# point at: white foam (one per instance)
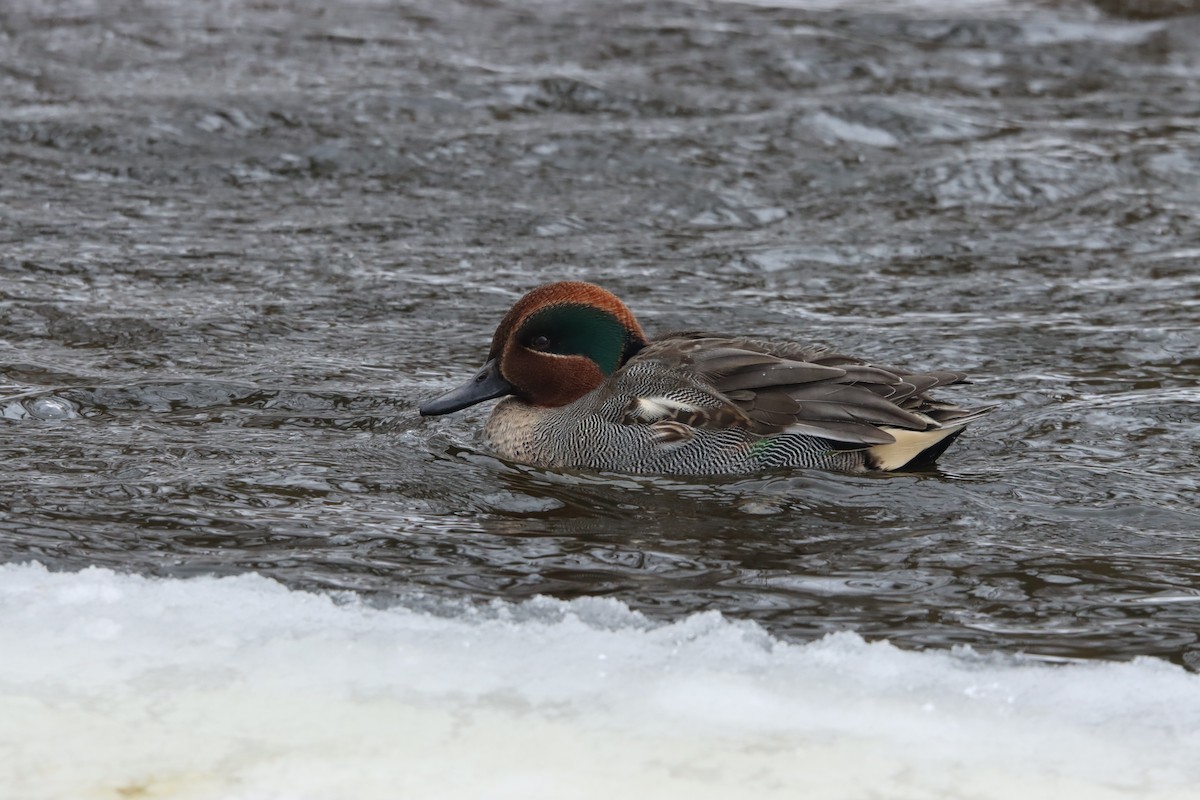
(972, 7)
(118, 686)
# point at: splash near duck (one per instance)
(584, 388)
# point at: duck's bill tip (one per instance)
(486, 385)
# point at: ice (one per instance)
(844, 130)
(117, 686)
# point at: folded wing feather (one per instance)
(773, 387)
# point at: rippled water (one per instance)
(242, 242)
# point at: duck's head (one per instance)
(558, 343)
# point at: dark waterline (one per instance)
(241, 244)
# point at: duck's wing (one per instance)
(775, 387)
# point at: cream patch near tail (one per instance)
(908, 446)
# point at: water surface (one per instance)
(242, 242)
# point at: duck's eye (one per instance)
(539, 343)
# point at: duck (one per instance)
(584, 388)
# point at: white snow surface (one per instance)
(121, 686)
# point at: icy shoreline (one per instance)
(239, 688)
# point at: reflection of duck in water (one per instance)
(585, 388)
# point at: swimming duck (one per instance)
(585, 388)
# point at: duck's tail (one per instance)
(917, 449)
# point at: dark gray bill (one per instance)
(486, 384)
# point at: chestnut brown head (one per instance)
(556, 344)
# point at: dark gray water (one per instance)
(243, 241)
